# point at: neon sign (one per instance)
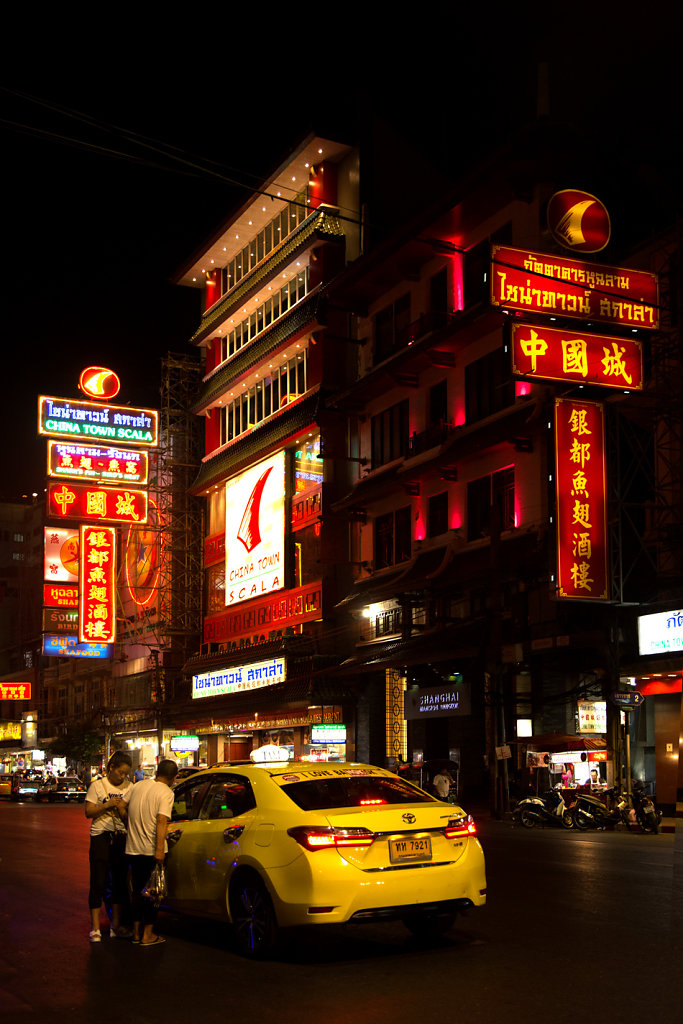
(60, 620)
(90, 421)
(239, 678)
(61, 554)
(255, 531)
(97, 604)
(581, 500)
(91, 462)
(143, 558)
(578, 221)
(99, 382)
(536, 282)
(69, 647)
(15, 691)
(64, 596)
(75, 500)
(552, 354)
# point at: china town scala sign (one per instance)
(97, 421)
(536, 282)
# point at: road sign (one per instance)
(633, 699)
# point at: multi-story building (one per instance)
(462, 632)
(275, 557)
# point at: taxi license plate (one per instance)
(410, 848)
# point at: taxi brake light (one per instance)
(325, 838)
(460, 827)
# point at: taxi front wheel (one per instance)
(253, 917)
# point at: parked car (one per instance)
(184, 773)
(276, 845)
(5, 784)
(69, 790)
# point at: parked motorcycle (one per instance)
(647, 815)
(589, 811)
(550, 809)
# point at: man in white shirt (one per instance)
(149, 812)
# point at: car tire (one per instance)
(253, 917)
(429, 926)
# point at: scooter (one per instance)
(647, 815)
(590, 812)
(550, 809)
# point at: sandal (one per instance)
(95, 935)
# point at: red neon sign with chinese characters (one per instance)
(553, 354)
(15, 691)
(71, 499)
(581, 500)
(97, 604)
(92, 462)
(536, 282)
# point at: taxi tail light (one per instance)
(457, 827)
(325, 838)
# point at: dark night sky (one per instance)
(90, 240)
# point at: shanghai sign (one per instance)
(556, 286)
(76, 500)
(92, 462)
(97, 585)
(91, 421)
(553, 354)
(581, 500)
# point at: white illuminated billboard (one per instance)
(255, 531)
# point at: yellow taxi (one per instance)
(271, 846)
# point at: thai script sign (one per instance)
(182, 744)
(239, 678)
(76, 500)
(660, 632)
(552, 354)
(592, 716)
(438, 701)
(60, 620)
(303, 604)
(581, 500)
(15, 691)
(94, 421)
(61, 554)
(97, 584)
(553, 285)
(255, 531)
(92, 462)
(65, 596)
(69, 647)
(578, 221)
(328, 733)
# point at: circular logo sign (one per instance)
(578, 221)
(99, 382)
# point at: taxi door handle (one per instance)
(231, 834)
(173, 836)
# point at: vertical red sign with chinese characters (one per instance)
(97, 603)
(580, 473)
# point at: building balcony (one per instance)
(433, 436)
(383, 624)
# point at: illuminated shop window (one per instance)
(265, 398)
(271, 310)
(265, 241)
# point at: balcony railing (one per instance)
(385, 624)
(434, 435)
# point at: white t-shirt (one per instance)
(149, 798)
(100, 791)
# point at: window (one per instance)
(438, 403)
(486, 494)
(228, 797)
(264, 399)
(390, 434)
(187, 799)
(438, 514)
(392, 538)
(392, 328)
(272, 309)
(215, 589)
(488, 385)
(438, 292)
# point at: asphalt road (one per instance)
(576, 925)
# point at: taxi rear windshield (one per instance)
(322, 794)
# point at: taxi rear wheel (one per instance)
(428, 926)
(253, 917)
